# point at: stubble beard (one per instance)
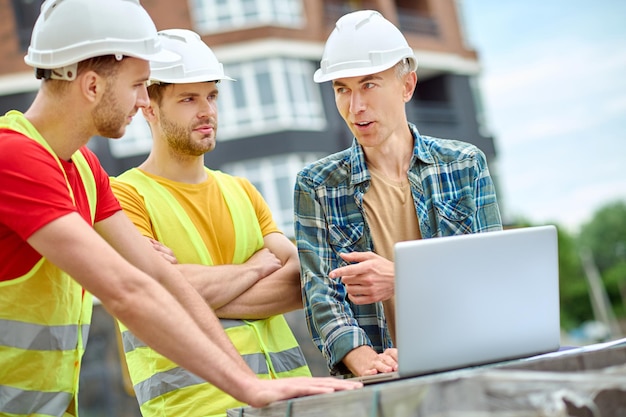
(109, 121)
(179, 138)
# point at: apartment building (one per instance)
(273, 119)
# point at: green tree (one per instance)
(573, 288)
(605, 236)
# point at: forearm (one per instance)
(200, 311)
(163, 324)
(276, 294)
(278, 291)
(331, 320)
(221, 284)
(144, 306)
(339, 333)
(125, 239)
(358, 360)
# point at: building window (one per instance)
(481, 118)
(275, 178)
(212, 16)
(270, 95)
(136, 141)
(434, 88)
(432, 103)
(26, 13)
(334, 9)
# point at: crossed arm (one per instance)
(249, 290)
(245, 291)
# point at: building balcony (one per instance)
(409, 21)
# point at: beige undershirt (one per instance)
(390, 214)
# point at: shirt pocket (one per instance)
(345, 238)
(342, 236)
(455, 215)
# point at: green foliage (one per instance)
(605, 236)
(615, 281)
(574, 295)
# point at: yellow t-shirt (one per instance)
(206, 208)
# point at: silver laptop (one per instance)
(475, 299)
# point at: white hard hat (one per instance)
(69, 31)
(197, 63)
(363, 43)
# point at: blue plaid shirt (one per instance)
(453, 194)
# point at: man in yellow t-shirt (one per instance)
(216, 229)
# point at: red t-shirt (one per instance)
(33, 192)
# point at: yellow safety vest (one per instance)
(44, 320)
(267, 346)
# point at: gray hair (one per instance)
(402, 68)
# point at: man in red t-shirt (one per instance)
(62, 230)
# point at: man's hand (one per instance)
(165, 252)
(269, 391)
(264, 262)
(370, 277)
(364, 360)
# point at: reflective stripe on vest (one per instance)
(175, 378)
(153, 376)
(31, 336)
(284, 361)
(24, 402)
(44, 333)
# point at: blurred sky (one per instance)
(553, 84)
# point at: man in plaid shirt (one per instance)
(391, 185)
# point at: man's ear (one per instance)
(92, 86)
(149, 113)
(410, 82)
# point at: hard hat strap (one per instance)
(66, 73)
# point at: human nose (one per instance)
(357, 104)
(208, 108)
(142, 97)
